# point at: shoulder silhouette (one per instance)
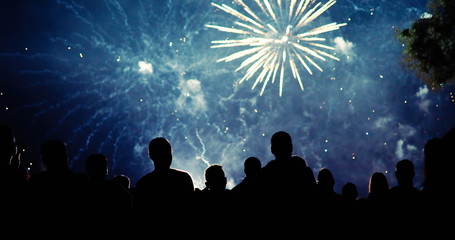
(287, 178)
(325, 187)
(57, 186)
(164, 186)
(404, 193)
(251, 168)
(105, 197)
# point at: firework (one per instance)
(278, 40)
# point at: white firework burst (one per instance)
(278, 40)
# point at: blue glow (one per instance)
(108, 76)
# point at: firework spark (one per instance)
(277, 40)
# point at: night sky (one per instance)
(108, 76)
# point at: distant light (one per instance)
(426, 15)
(80, 55)
(145, 67)
(170, 44)
(118, 59)
(26, 49)
(69, 48)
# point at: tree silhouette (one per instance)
(430, 45)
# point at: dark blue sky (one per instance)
(108, 76)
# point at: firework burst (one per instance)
(279, 39)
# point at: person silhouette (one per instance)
(215, 183)
(437, 189)
(285, 178)
(436, 185)
(404, 199)
(404, 193)
(105, 197)
(164, 187)
(246, 188)
(325, 188)
(349, 194)
(215, 199)
(57, 192)
(377, 199)
(378, 187)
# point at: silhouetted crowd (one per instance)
(284, 195)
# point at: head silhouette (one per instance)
(123, 180)
(54, 155)
(326, 179)
(378, 183)
(281, 145)
(160, 152)
(215, 179)
(252, 166)
(349, 191)
(404, 171)
(96, 166)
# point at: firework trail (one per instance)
(279, 39)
